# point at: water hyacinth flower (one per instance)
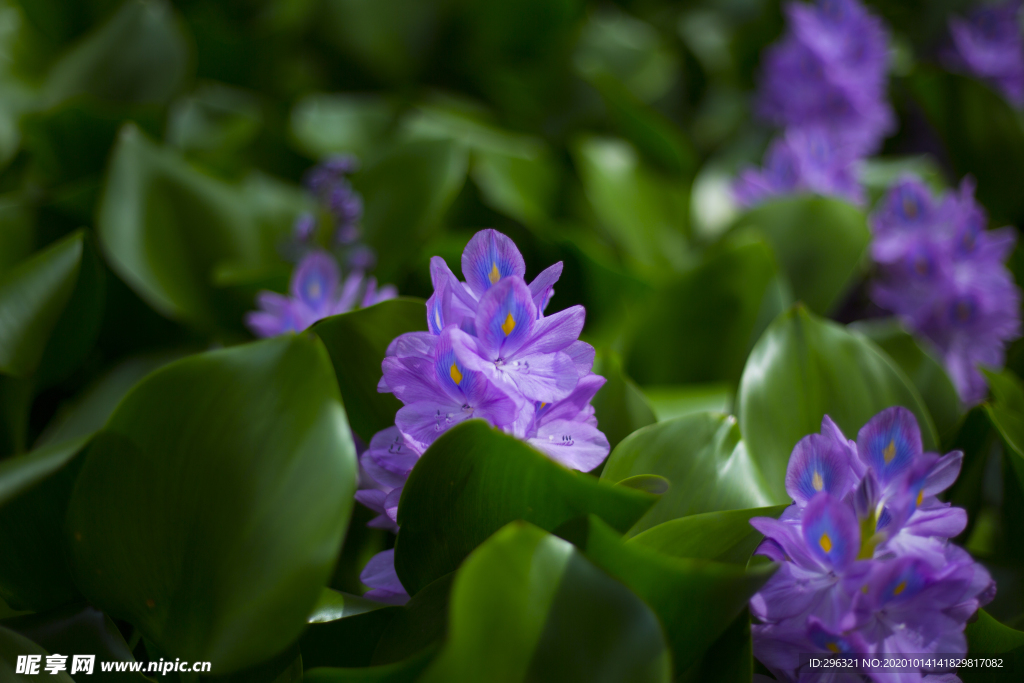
(803, 161)
(943, 274)
(829, 70)
(490, 353)
(987, 44)
(866, 566)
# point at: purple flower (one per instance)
(866, 566)
(805, 160)
(317, 292)
(379, 574)
(490, 353)
(829, 70)
(987, 44)
(942, 273)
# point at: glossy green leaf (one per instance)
(700, 326)
(405, 192)
(15, 402)
(643, 212)
(473, 480)
(527, 606)
(165, 227)
(17, 231)
(336, 124)
(347, 642)
(13, 644)
(620, 407)
(696, 600)
(139, 55)
(399, 672)
(1007, 409)
(983, 136)
(804, 368)
(672, 401)
(724, 536)
(333, 605)
(32, 297)
(818, 241)
(357, 342)
(239, 471)
(921, 367)
(730, 659)
(79, 629)
(704, 459)
(22, 472)
(988, 638)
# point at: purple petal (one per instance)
(505, 318)
(577, 445)
(315, 282)
(442, 277)
(944, 473)
(413, 344)
(423, 421)
(412, 379)
(380, 575)
(390, 452)
(572, 405)
(889, 443)
(831, 532)
(788, 539)
(582, 355)
(543, 377)
(557, 331)
(543, 286)
(349, 293)
(818, 464)
(277, 317)
(489, 257)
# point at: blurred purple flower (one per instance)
(829, 70)
(490, 354)
(987, 43)
(942, 273)
(866, 564)
(804, 160)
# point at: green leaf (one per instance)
(730, 659)
(804, 368)
(22, 472)
(643, 212)
(923, 369)
(523, 185)
(357, 342)
(400, 672)
(333, 605)
(700, 326)
(347, 642)
(165, 227)
(17, 231)
(986, 637)
(239, 470)
(419, 625)
(704, 459)
(620, 406)
(335, 124)
(818, 241)
(721, 536)
(139, 55)
(473, 480)
(406, 191)
(696, 600)
(527, 606)
(32, 297)
(676, 401)
(13, 644)
(77, 629)
(983, 136)
(1006, 412)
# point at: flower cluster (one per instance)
(866, 566)
(988, 44)
(825, 84)
(942, 273)
(317, 289)
(490, 353)
(804, 160)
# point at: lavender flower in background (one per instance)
(804, 160)
(942, 273)
(830, 71)
(317, 289)
(987, 43)
(490, 353)
(866, 566)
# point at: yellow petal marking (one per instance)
(456, 375)
(825, 542)
(542, 405)
(920, 497)
(900, 588)
(890, 452)
(818, 482)
(909, 207)
(508, 325)
(494, 275)
(833, 647)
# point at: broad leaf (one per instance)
(818, 241)
(357, 342)
(12, 645)
(988, 638)
(474, 480)
(337, 124)
(239, 470)
(706, 463)
(804, 368)
(527, 606)
(721, 536)
(670, 401)
(619, 406)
